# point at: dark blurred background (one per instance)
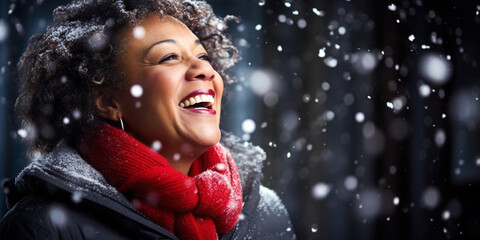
(368, 110)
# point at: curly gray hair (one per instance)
(62, 66)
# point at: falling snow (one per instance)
(320, 190)
(374, 111)
(411, 38)
(392, 7)
(435, 68)
(138, 32)
(136, 91)
(248, 126)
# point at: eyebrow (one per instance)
(197, 42)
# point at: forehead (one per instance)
(158, 27)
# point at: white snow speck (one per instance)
(258, 27)
(156, 146)
(424, 90)
(287, 4)
(310, 147)
(176, 156)
(58, 216)
(242, 42)
(279, 48)
(392, 7)
(261, 3)
(76, 114)
(396, 201)
(435, 68)
(289, 155)
(411, 38)
(22, 133)
(440, 137)
(220, 167)
(12, 7)
(248, 126)
(446, 215)
(431, 197)
(326, 86)
(136, 91)
(261, 82)
(270, 99)
(318, 12)
(320, 190)
(66, 120)
(359, 117)
(351, 183)
(366, 62)
(341, 30)
(329, 115)
(390, 105)
(138, 32)
(301, 23)
(76, 197)
(321, 52)
(330, 62)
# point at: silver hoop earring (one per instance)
(121, 123)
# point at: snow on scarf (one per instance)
(201, 205)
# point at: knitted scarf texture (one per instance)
(202, 205)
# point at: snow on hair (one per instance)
(61, 67)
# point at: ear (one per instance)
(107, 106)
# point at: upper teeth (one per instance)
(197, 99)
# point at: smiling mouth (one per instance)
(199, 100)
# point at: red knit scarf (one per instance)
(201, 205)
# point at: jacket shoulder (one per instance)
(40, 217)
(263, 217)
(28, 219)
(275, 222)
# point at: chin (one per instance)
(205, 137)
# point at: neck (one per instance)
(181, 164)
(181, 160)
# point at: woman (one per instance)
(121, 100)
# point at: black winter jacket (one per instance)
(62, 197)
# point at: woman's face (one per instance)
(173, 95)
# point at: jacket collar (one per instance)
(67, 165)
(249, 160)
(64, 169)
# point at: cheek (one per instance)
(160, 85)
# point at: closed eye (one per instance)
(168, 58)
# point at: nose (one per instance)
(200, 70)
